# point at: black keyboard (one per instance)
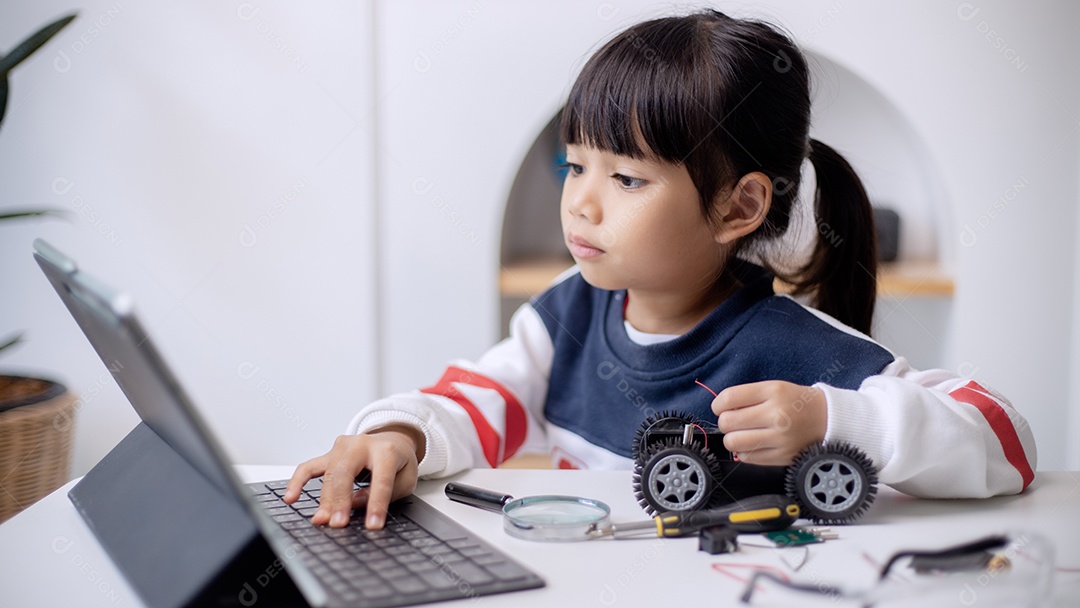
(419, 556)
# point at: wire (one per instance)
(703, 434)
(699, 383)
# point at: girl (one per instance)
(685, 138)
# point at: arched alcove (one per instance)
(850, 115)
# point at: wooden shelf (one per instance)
(528, 461)
(897, 280)
(526, 278)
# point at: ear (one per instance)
(745, 207)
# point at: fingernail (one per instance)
(373, 521)
(339, 519)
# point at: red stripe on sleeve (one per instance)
(973, 394)
(489, 437)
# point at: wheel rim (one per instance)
(832, 485)
(677, 482)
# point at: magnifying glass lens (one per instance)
(547, 513)
(554, 518)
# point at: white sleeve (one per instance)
(479, 413)
(933, 434)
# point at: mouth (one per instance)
(580, 248)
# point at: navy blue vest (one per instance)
(603, 385)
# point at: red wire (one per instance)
(703, 434)
(698, 382)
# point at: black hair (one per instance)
(726, 97)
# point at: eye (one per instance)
(627, 182)
(573, 168)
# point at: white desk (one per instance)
(48, 557)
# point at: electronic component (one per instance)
(718, 539)
(800, 536)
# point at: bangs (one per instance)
(641, 95)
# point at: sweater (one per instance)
(569, 381)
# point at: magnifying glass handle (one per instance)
(477, 497)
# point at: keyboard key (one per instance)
(507, 571)
(408, 585)
(401, 527)
(356, 572)
(405, 562)
(439, 580)
(405, 556)
(386, 543)
(487, 558)
(452, 558)
(377, 591)
(357, 545)
(473, 551)
(470, 573)
(378, 565)
(439, 549)
(425, 565)
(395, 573)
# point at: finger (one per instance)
(380, 492)
(745, 443)
(766, 457)
(335, 502)
(303, 473)
(360, 498)
(743, 395)
(746, 418)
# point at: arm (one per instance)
(934, 434)
(478, 414)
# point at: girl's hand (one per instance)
(770, 422)
(390, 453)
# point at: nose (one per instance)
(580, 199)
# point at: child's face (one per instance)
(636, 224)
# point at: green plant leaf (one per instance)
(33, 43)
(13, 215)
(11, 342)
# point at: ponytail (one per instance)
(842, 271)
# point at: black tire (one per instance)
(675, 478)
(664, 420)
(833, 483)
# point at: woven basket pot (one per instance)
(36, 429)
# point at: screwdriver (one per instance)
(763, 513)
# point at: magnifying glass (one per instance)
(548, 518)
(569, 518)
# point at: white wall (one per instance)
(215, 161)
(179, 126)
